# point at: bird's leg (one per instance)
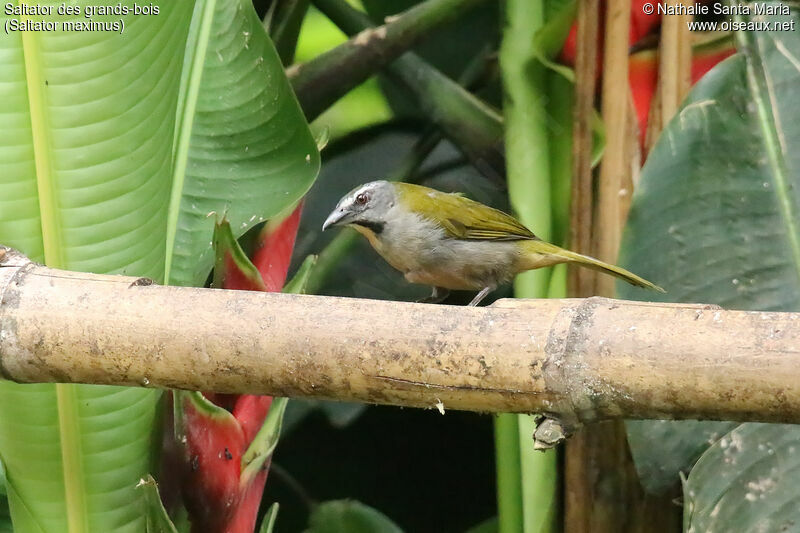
(438, 295)
(480, 296)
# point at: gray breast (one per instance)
(418, 244)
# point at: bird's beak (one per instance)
(334, 218)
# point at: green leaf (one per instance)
(549, 40)
(180, 520)
(158, 520)
(323, 138)
(6, 525)
(2, 479)
(349, 516)
(243, 147)
(88, 483)
(5, 513)
(268, 522)
(283, 22)
(85, 153)
(663, 448)
(298, 284)
(204, 406)
(715, 216)
(747, 481)
(88, 122)
(264, 442)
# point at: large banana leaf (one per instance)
(85, 153)
(96, 128)
(746, 481)
(715, 220)
(243, 146)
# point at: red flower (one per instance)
(227, 439)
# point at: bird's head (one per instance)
(366, 206)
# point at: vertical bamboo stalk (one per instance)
(581, 280)
(654, 124)
(659, 513)
(600, 486)
(633, 154)
(674, 69)
(674, 74)
(615, 110)
(591, 465)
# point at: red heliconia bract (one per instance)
(641, 25)
(643, 65)
(217, 436)
(274, 251)
(643, 76)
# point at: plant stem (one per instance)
(322, 81)
(581, 280)
(527, 146)
(471, 124)
(675, 63)
(509, 482)
(283, 23)
(615, 170)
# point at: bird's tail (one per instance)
(546, 254)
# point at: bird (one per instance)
(450, 242)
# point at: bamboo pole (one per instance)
(599, 489)
(658, 513)
(581, 280)
(583, 452)
(608, 219)
(674, 74)
(593, 491)
(577, 361)
(675, 63)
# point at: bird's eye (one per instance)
(362, 198)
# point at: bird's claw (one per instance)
(437, 296)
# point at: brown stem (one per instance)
(322, 81)
(608, 219)
(599, 486)
(675, 60)
(581, 280)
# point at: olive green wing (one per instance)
(463, 218)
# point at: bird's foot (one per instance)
(438, 295)
(480, 296)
